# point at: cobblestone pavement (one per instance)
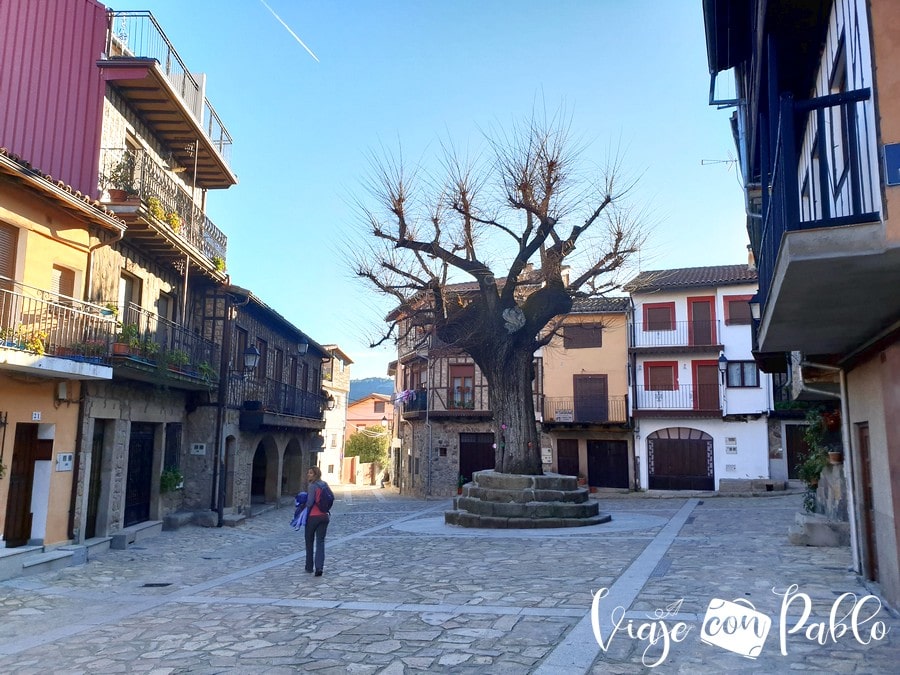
(404, 593)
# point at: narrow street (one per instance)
(402, 593)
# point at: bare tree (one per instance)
(525, 211)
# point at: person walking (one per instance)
(320, 500)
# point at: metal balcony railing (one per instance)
(698, 397)
(46, 323)
(137, 34)
(612, 409)
(675, 334)
(276, 397)
(148, 180)
(148, 336)
(826, 197)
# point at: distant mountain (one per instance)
(370, 385)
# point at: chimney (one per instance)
(751, 261)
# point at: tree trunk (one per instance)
(512, 402)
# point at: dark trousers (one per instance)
(316, 527)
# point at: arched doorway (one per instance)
(264, 473)
(292, 473)
(680, 458)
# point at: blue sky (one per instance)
(628, 72)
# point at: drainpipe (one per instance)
(848, 457)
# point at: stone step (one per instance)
(133, 534)
(813, 529)
(468, 519)
(48, 561)
(544, 509)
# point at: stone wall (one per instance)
(831, 495)
(444, 464)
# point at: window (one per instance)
(742, 374)
(659, 316)
(582, 336)
(240, 346)
(129, 293)
(737, 310)
(661, 376)
(62, 282)
(333, 440)
(278, 375)
(378, 406)
(262, 368)
(839, 131)
(461, 394)
(172, 458)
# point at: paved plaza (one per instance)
(689, 583)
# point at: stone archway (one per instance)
(264, 473)
(293, 474)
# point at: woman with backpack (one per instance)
(320, 500)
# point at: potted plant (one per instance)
(219, 263)
(816, 458)
(178, 359)
(34, 343)
(459, 484)
(207, 372)
(836, 456)
(170, 480)
(120, 179)
(155, 209)
(174, 221)
(127, 341)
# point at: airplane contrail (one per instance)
(288, 28)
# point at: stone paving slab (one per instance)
(403, 593)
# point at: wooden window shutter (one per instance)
(62, 282)
(8, 240)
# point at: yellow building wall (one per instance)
(610, 359)
(21, 398)
(47, 236)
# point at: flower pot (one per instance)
(121, 349)
(836, 457)
(116, 195)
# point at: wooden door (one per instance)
(258, 476)
(701, 321)
(607, 463)
(795, 448)
(139, 479)
(867, 508)
(567, 456)
(17, 527)
(591, 401)
(476, 453)
(96, 480)
(706, 386)
(680, 460)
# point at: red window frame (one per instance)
(673, 365)
(658, 305)
(726, 302)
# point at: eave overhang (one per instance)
(145, 87)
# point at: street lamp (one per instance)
(302, 346)
(384, 422)
(251, 358)
(755, 307)
(723, 365)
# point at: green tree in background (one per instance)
(370, 445)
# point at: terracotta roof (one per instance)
(599, 305)
(18, 168)
(690, 277)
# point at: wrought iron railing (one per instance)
(675, 334)
(612, 409)
(45, 323)
(274, 396)
(137, 34)
(150, 182)
(823, 199)
(148, 336)
(700, 397)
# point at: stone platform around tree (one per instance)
(503, 500)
